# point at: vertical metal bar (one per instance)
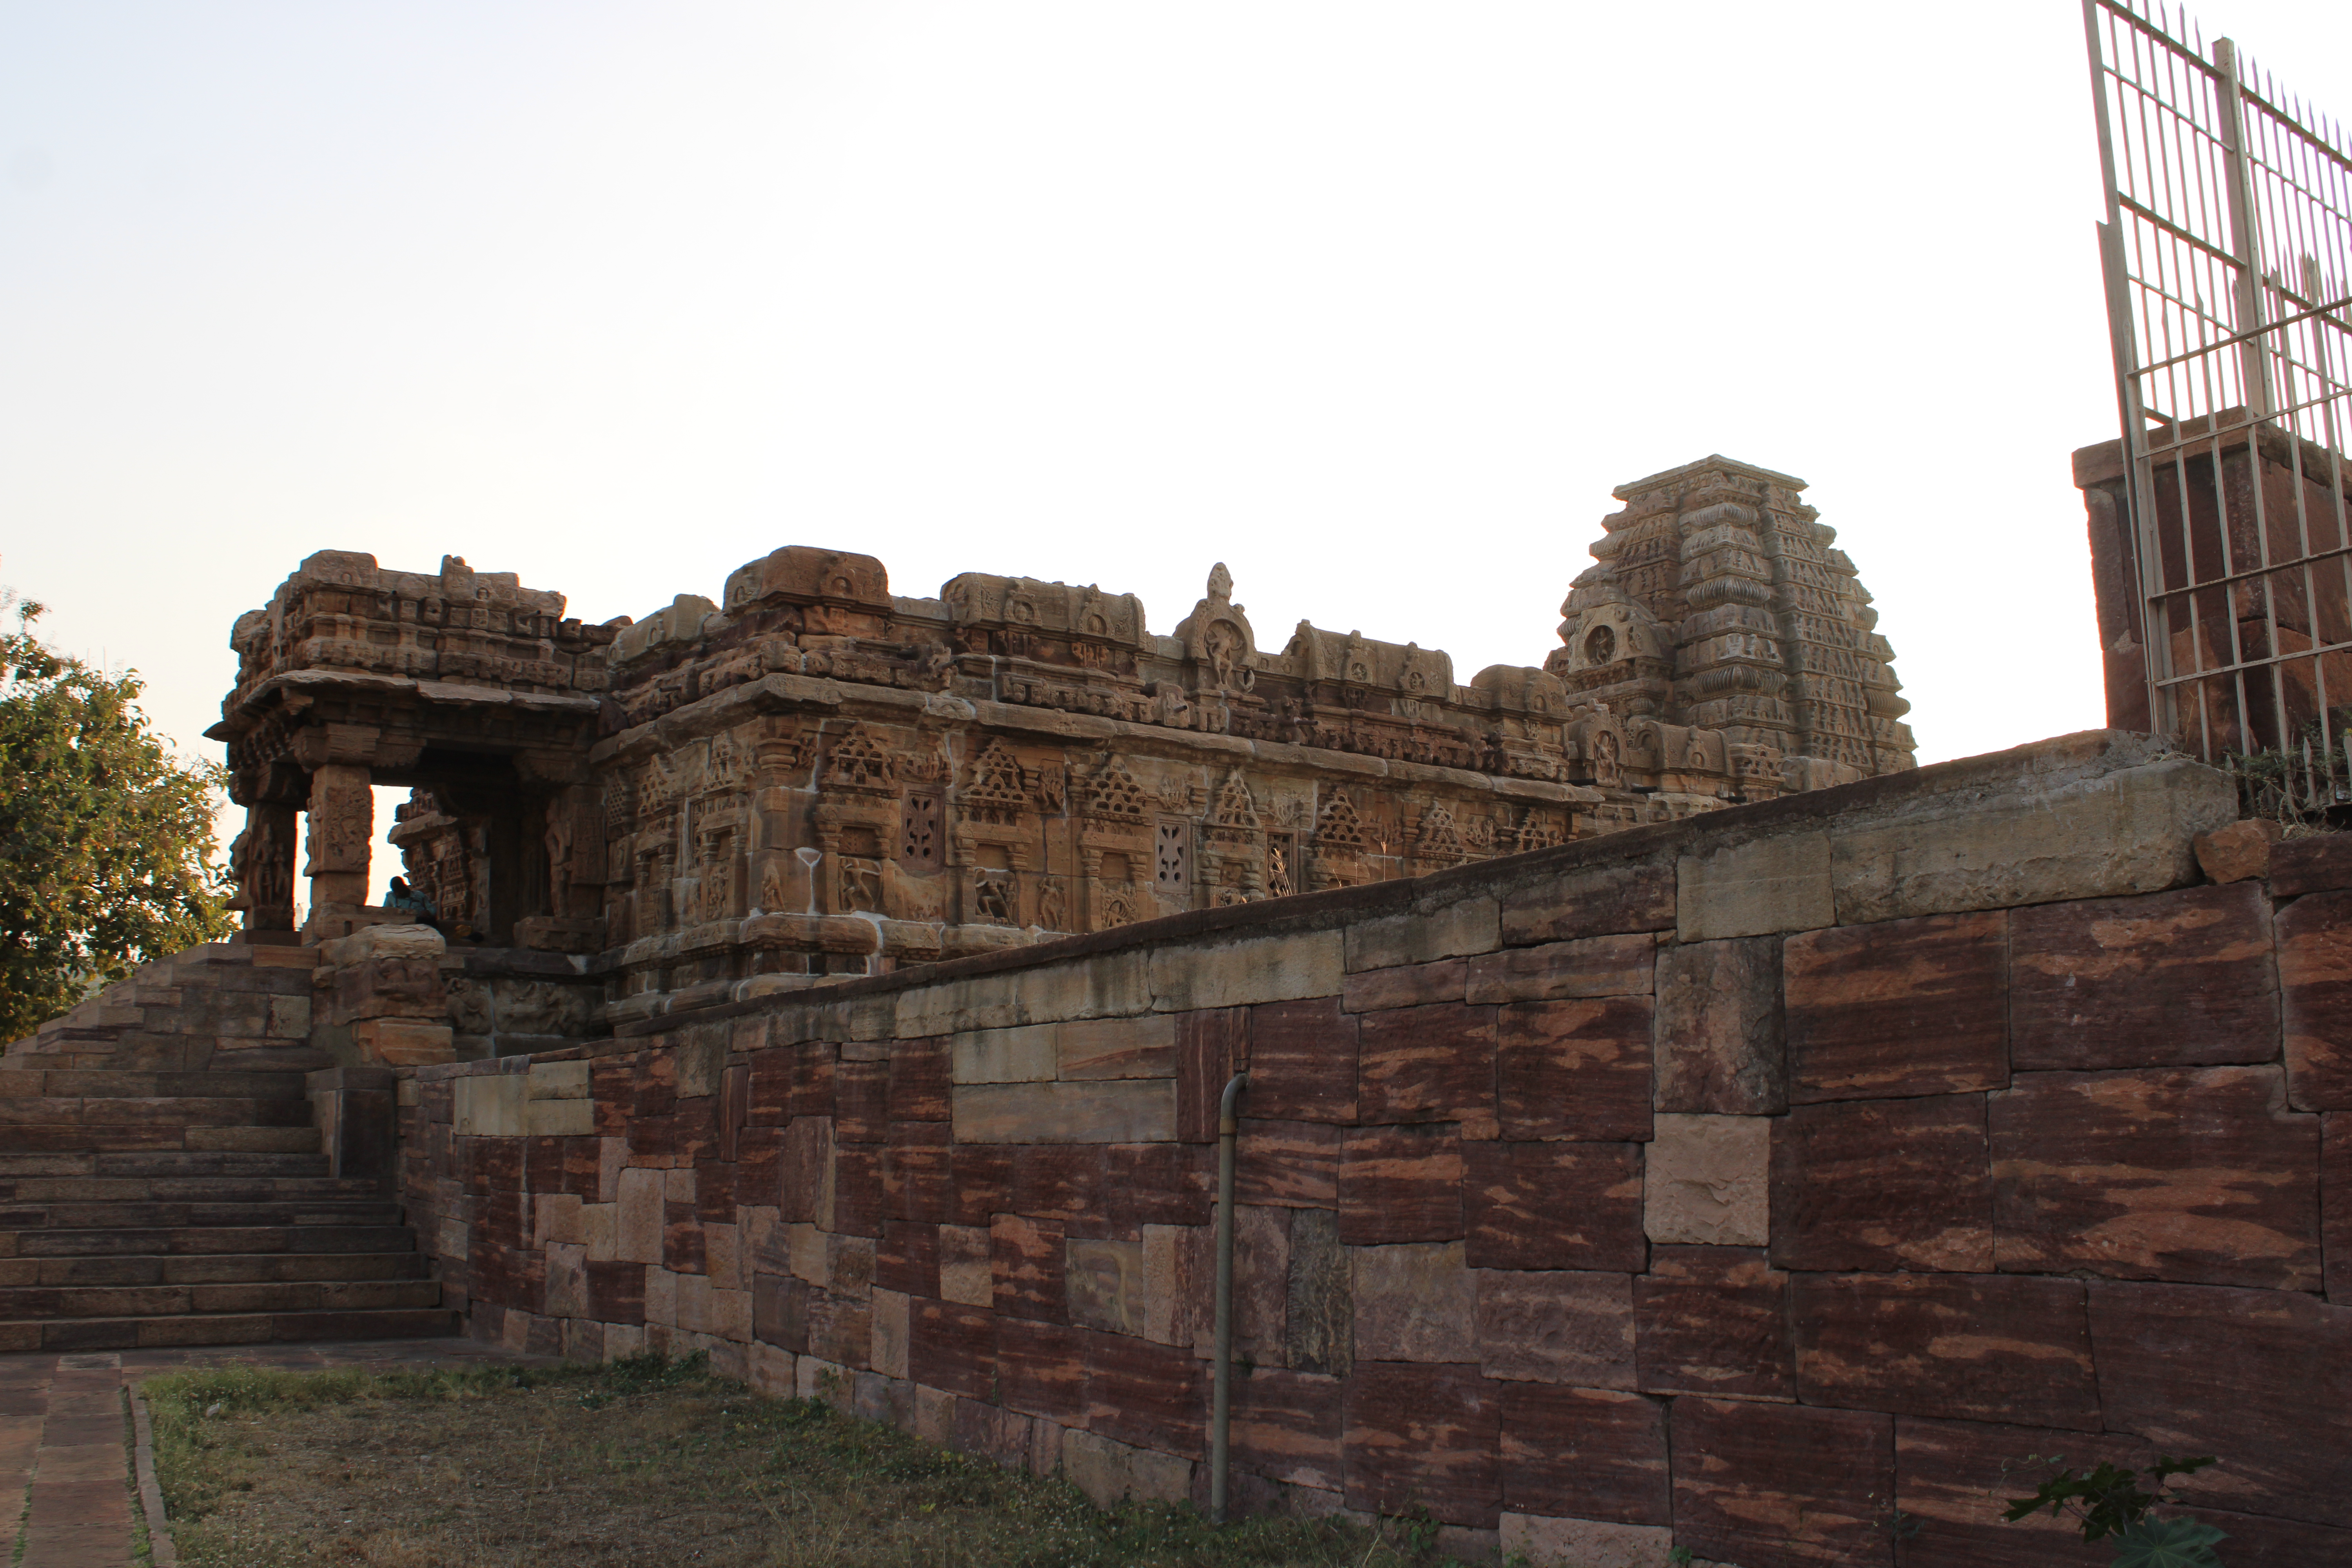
(2243, 242)
(2139, 514)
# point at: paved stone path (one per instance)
(65, 1488)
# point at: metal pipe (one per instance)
(1221, 1369)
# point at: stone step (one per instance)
(245, 1296)
(213, 1268)
(75, 1083)
(177, 1240)
(84, 1137)
(153, 1110)
(109, 1214)
(225, 1328)
(164, 1162)
(17, 1191)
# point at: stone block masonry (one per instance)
(1668, 1189)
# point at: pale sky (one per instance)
(1373, 302)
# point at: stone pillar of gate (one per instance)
(341, 828)
(262, 861)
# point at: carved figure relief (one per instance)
(994, 897)
(860, 885)
(1050, 909)
(1606, 771)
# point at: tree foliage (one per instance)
(107, 841)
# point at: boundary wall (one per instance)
(1761, 1183)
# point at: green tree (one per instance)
(107, 841)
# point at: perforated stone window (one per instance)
(919, 833)
(1173, 867)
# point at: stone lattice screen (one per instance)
(1731, 1183)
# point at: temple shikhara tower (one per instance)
(812, 775)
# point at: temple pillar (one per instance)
(342, 831)
(262, 862)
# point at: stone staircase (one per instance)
(162, 1181)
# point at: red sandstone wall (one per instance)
(1734, 1185)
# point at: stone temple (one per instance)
(815, 776)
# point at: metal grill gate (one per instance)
(2228, 258)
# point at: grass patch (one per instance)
(641, 1461)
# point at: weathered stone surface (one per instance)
(862, 1102)
(1884, 1183)
(1318, 1322)
(2200, 1175)
(2319, 863)
(1585, 1454)
(1592, 967)
(1904, 1008)
(2238, 853)
(1426, 1064)
(1113, 987)
(1237, 974)
(1142, 1392)
(1708, 1181)
(1293, 1163)
(1110, 1472)
(1721, 1045)
(1303, 1061)
(1041, 1369)
(1261, 1282)
(1027, 1258)
(1286, 1426)
(1599, 902)
(1575, 1069)
(2175, 979)
(1713, 1319)
(921, 1072)
(1426, 1435)
(2336, 1204)
(888, 1321)
(919, 1172)
(952, 1348)
(1544, 1326)
(2263, 1376)
(1975, 1347)
(1469, 925)
(1778, 884)
(1553, 1205)
(1065, 1181)
(1780, 1486)
(1024, 1055)
(2128, 831)
(1117, 1047)
(1415, 1303)
(1407, 985)
(1401, 1184)
(1107, 1284)
(967, 1269)
(638, 1238)
(1131, 1111)
(1211, 1046)
(1945, 1472)
(2315, 971)
(1545, 1542)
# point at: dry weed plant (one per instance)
(638, 1462)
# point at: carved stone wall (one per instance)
(813, 776)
